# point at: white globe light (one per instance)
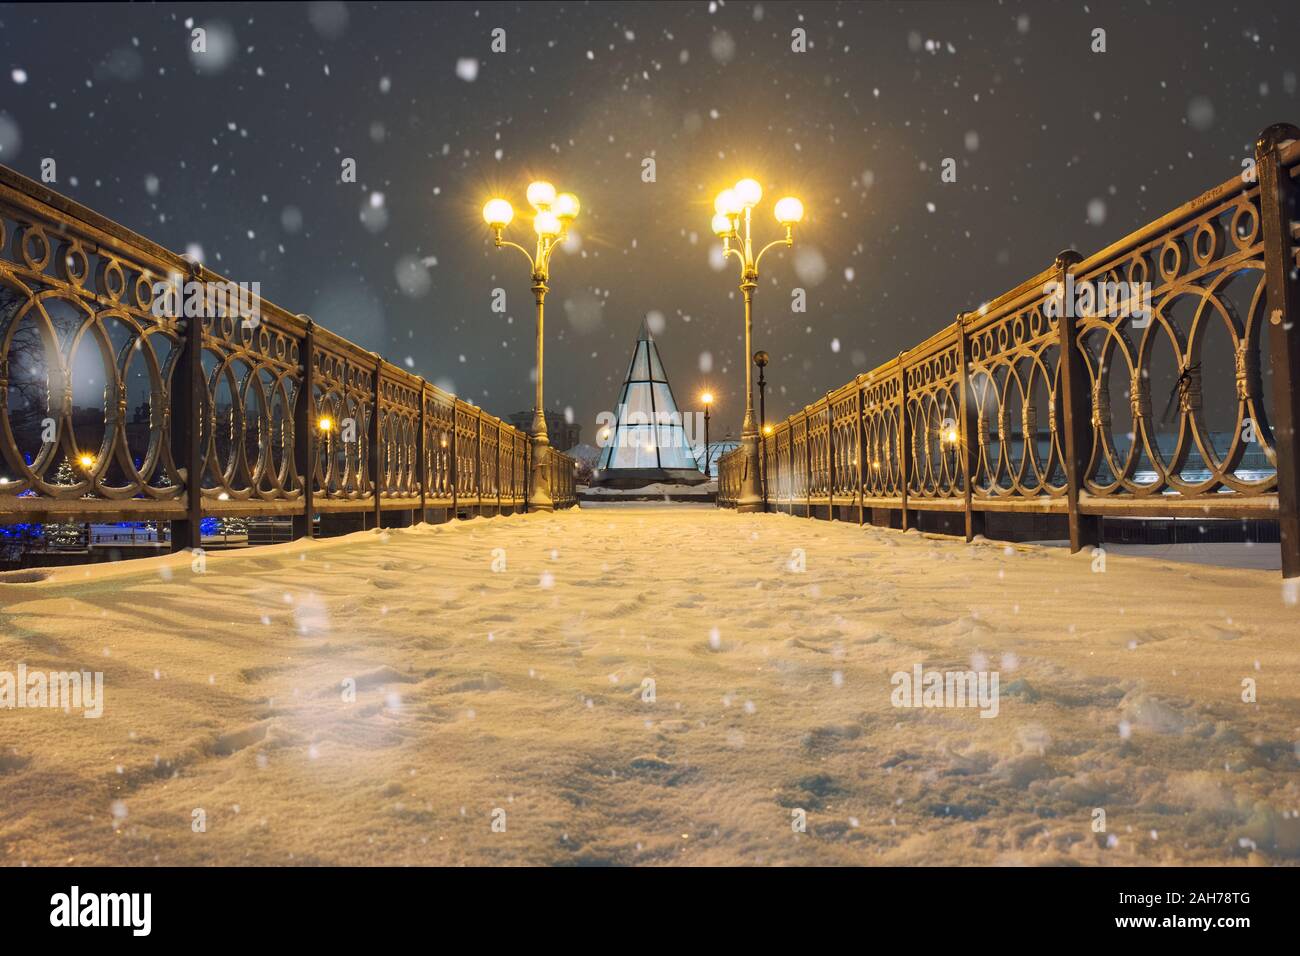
(541, 195)
(749, 191)
(498, 213)
(728, 203)
(789, 211)
(567, 206)
(721, 225)
(547, 223)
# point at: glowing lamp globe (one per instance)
(541, 195)
(728, 203)
(547, 223)
(498, 213)
(707, 398)
(721, 225)
(789, 211)
(749, 192)
(566, 206)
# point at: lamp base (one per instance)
(750, 498)
(539, 494)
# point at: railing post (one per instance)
(808, 457)
(862, 453)
(528, 473)
(376, 458)
(1077, 415)
(969, 424)
(1277, 201)
(188, 405)
(421, 452)
(304, 433)
(453, 469)
(830, 459)
(904, 442)
(498, 481)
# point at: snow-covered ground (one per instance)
(520, 696)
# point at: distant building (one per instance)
(562, 434)
(716, 450)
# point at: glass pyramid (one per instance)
(648, 432)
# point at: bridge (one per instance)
(545, 683)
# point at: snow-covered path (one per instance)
(520, 696)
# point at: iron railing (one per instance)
(110, 408)
(730, 465)
(1010, 408)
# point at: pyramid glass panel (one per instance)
(649, 432)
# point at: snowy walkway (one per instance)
(522, 691)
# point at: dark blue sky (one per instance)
(238, 152)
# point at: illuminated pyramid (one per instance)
(648, 441)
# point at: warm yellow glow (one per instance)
(789, 211)
(749, 192)
(541, 195)
(325, 423)
(497, 213)
(768, 429)
(707, 398)
(952, 435)
(567, 206)
(728, 203)
(87, 461)
(722, 225)
(547, 223)
(875, 465)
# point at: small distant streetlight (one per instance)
(707, 399)
(325, 424)
(554, 214)
(761, 359)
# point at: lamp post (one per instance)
(760, 359)
(707, 399)
(732, 224)
(554, 214)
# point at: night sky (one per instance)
(236, 155)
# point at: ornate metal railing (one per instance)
(1181, 398)
(564, 492)
(729, 475)
(111, 405)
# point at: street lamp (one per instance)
(554, 214)
(707, 399)
(760, 359)
(732, 224)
